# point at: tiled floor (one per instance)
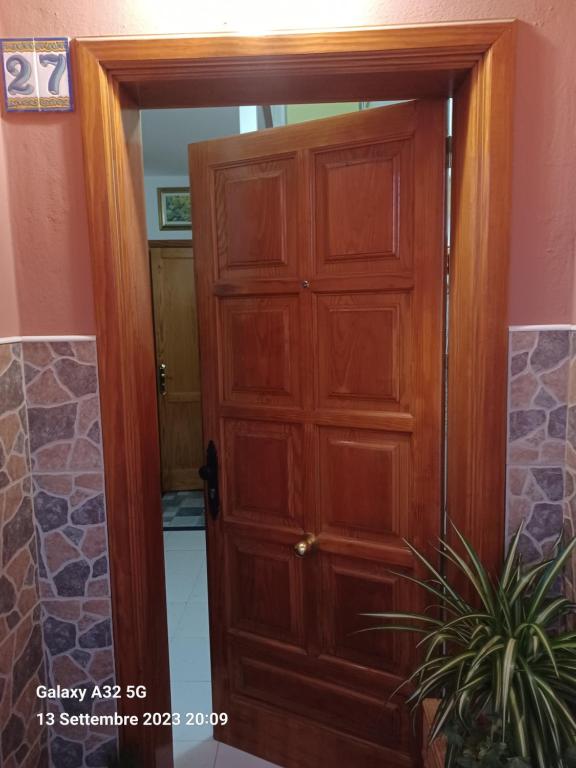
(183, 510)
(187, 597)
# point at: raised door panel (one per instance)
(362, 208)
(259, 350)
(266, 590)
(292, 685)
(179, 321)
(363, 351)
(353, 589)
(176, 336)
(182, 450)
(263, 470)
(255, 205)
(364, 489)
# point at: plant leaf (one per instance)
(547, 579)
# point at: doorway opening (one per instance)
(472, 62)
(166, 135)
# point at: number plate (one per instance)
(37, 74)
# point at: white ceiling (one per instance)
(166, 134)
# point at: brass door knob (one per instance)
(304, 547)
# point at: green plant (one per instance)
(482, 747)
(503, 654)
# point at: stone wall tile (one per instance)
(85, 456)
(51, 424)
(542, 442)
(44, 389)
(552, 348)
(11, 388)
(22, 738)
(38, 354)
(70, 511)
(53, 458)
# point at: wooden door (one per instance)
(176, 332)
(319, 252)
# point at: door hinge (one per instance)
(448, 151)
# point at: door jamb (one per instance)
(472, 62)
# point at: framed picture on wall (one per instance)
(174, 208)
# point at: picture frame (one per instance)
(174, 209)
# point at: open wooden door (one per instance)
(176, 337)
(319, 258)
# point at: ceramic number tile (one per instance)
(37, 75)
(20, 77)
(53, 74)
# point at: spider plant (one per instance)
(502, 655)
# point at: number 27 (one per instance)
(58, 61)
(20, 68)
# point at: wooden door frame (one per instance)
(474, 63)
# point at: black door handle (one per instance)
(209, 473)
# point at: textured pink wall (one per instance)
(9, 316)
(49, 226)
(44, 168)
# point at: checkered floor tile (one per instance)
(183, 511)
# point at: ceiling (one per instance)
(166, 134)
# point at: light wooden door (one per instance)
(319, 257)
(176, 332)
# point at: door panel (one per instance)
(176, 335)
(271, 451)
(267, 590)
(260, 338)
(275, 683)
(262, 245)
(348, 585)
(320, 277)
(361, 363)
(364, 483)
(359, 204)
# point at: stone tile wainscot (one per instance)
(22, 739)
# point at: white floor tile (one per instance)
(194, 698)
(194, 619)
(184, 540)
(190, 659)
(187, 597)
(182, 572)
(195, 754)
(228, 757)
(200, 589)
(175, 613)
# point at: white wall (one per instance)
(166, 134)
(151, 184)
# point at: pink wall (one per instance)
(44, 168)
(9, 315)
